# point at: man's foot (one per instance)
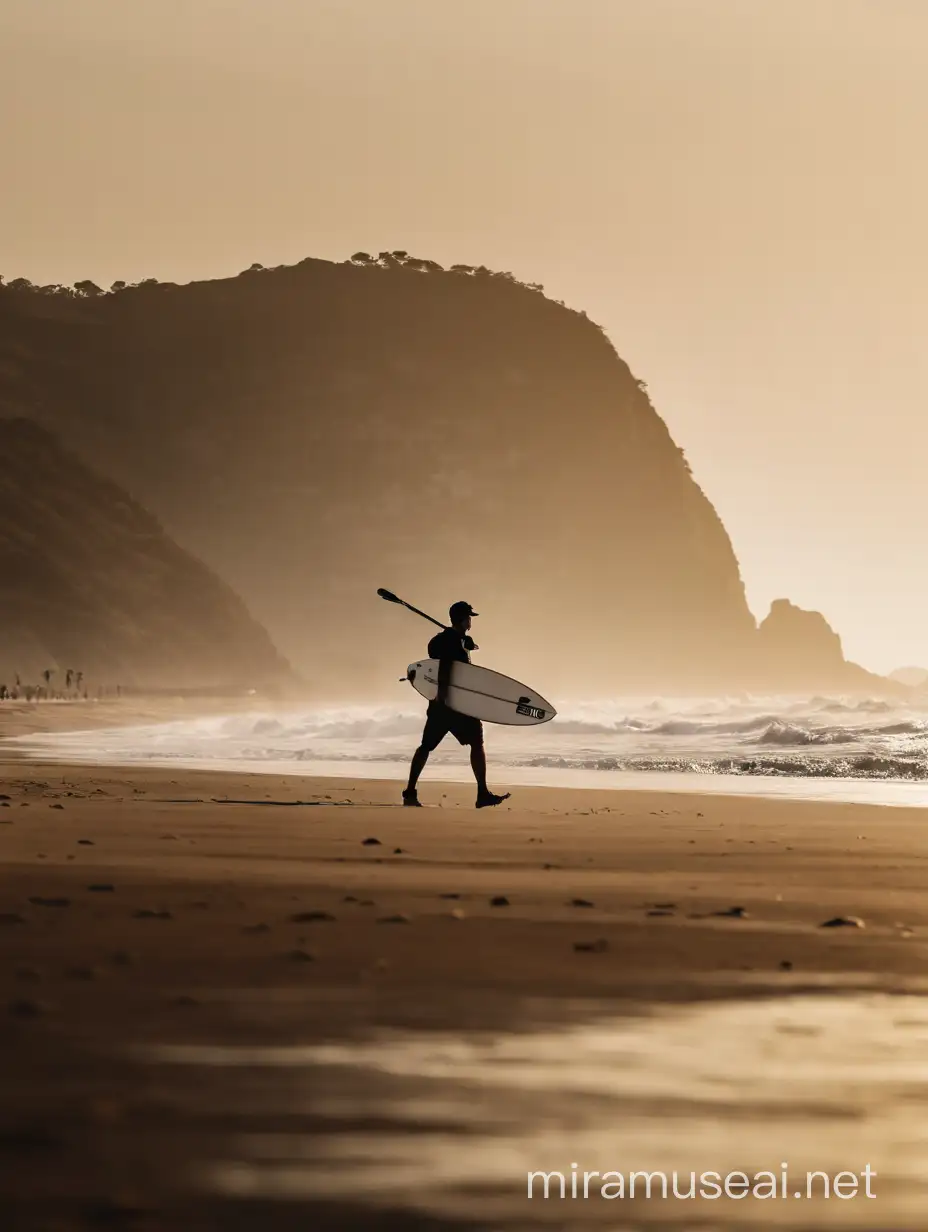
(411, 799)
(488, 800)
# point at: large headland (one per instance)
(309, 433)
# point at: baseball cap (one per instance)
(459, 610)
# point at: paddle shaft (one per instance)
(392, 598)
(424, 615)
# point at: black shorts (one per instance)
(440, 721)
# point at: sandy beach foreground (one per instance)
(167, 939)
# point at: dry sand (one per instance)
(144, 906)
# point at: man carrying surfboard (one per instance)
(452, 645)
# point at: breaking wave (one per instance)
(901, 768)
(819, 737)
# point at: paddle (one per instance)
(469, 643)
(392, 598)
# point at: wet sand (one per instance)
(145, 910)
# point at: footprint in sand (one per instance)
(81, 973)
(27, 1009)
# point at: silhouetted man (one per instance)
(452, 646)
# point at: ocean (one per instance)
(835, 747)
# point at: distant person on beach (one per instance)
(452, 645)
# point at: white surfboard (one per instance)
(482, 694)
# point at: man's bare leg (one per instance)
(419, 758)
(478, 763)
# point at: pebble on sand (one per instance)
(499, 901)
(843, 921)
(733, 913)
(303, 956)
(309, 917)
(147, 914)
(600, 946)
(102, 887)
(256, 928)
(38, 901)
(394, 919)
(580, 902)
(370, 842)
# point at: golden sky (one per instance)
(736, 189)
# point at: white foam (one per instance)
(753, 739)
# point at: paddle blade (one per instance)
(388, 595)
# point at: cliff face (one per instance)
(92, 583)
(317, 431)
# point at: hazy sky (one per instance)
(736, 189)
